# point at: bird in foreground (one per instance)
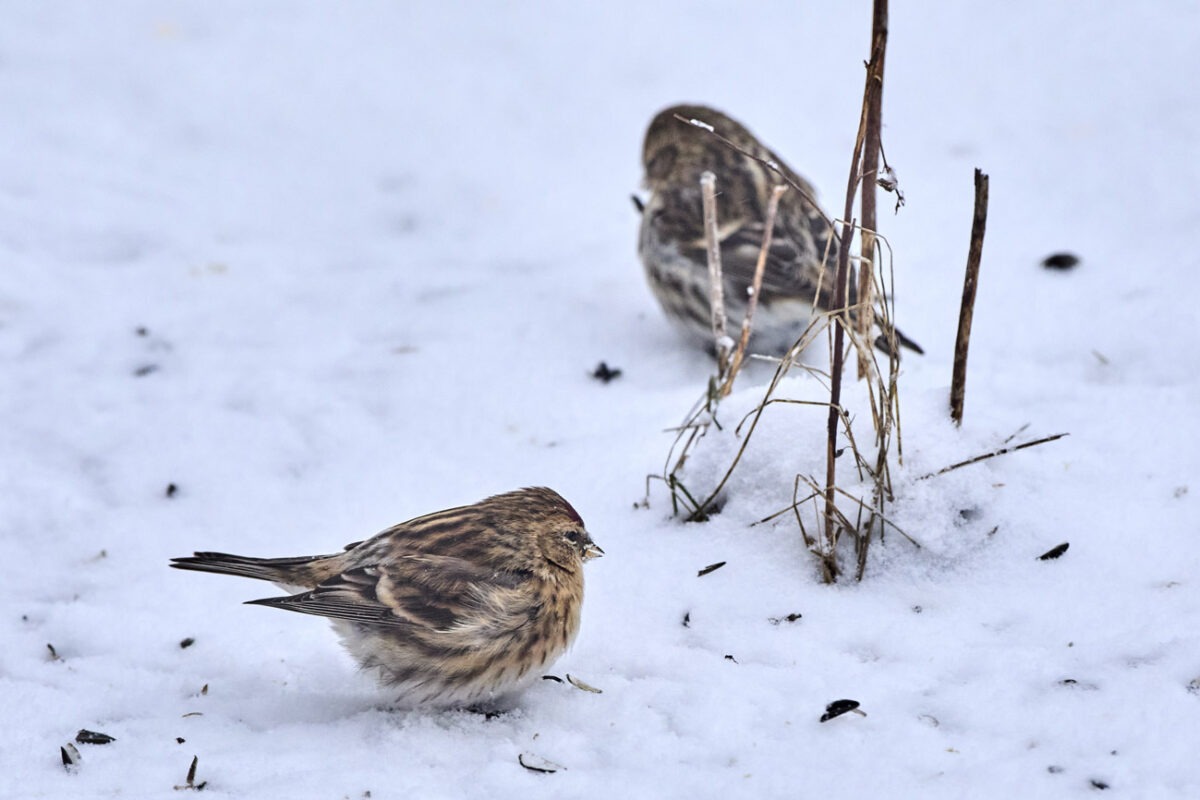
(800, 264)
(458, 608)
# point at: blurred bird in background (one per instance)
(800, 264)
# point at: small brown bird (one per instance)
(800, 263)
(459, 608)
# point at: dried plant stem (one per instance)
(958, 385)
(871, 152)
(993, 454)
(829, 568)
(739, 354)
(716, 287)
(865, 319)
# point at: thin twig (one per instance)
(716, 288)
(1016, 433)
(871, 151)
(808, 542)
(993, 454)
(755, 288)
(958, 386)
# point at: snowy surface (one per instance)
(327, 267)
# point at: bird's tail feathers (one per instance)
(882, 342)
(295, 571)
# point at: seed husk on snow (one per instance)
(538, 764)
(1054, 552)
(70, 757)
(191, 777)
(604, 373)
(839, 707)
(1060, 261)
(578, 684)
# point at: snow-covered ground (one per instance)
(327, 267)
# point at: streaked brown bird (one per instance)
(802, 258)
(459, 608)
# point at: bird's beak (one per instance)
(592, 550)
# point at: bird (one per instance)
(800, 265)
(461, 608)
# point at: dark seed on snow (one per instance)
(1060, 261)
(837, 708)
(1054, 552)
(605, 373)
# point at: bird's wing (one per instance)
(422, 591)
(789, 271)
(803, 252)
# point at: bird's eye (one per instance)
(574, 536)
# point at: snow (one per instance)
(325, 268)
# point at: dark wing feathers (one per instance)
(423, 591)
(788, 272)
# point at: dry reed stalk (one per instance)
(755, 287)
(871, 154)
(984, 457)
(958, 384)
(716, 287)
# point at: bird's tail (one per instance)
(884, 344)
(299, 571)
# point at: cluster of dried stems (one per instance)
(866, 515)
(849, 330)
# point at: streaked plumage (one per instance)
(461, 607)
(803, 254)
